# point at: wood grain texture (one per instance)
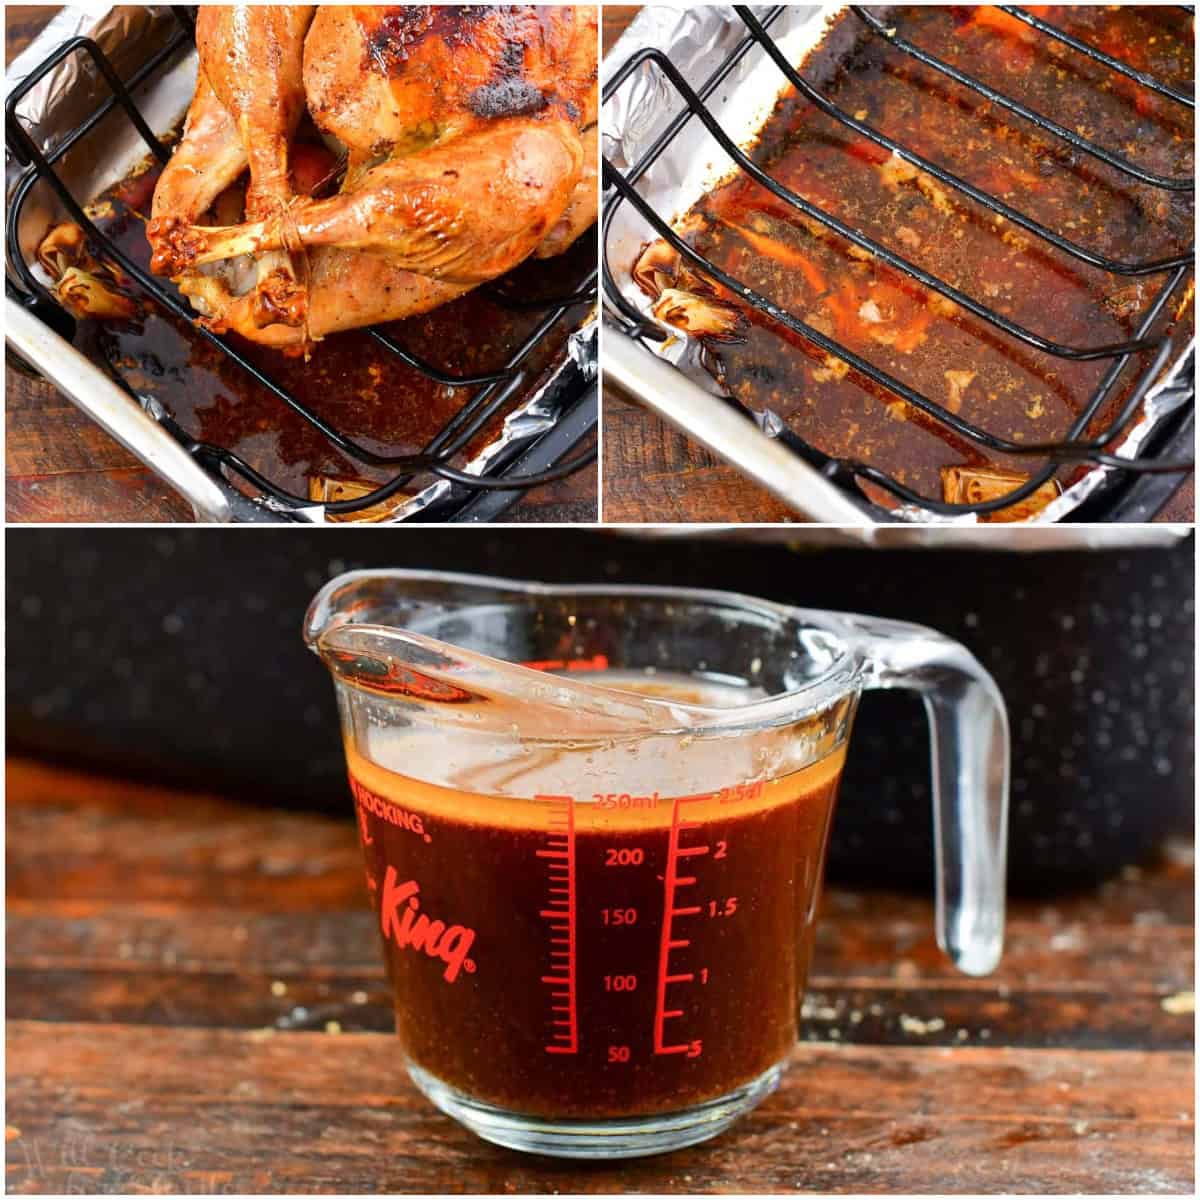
(22, 23)
(652, 472)
(60, 466)
(315, 1112)
(174, 960)
(360, 1003)
(616, 18)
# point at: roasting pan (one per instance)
(659, 158)
(86, 106)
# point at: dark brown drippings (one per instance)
(461, 900)
(350, 381)
(1013, 391)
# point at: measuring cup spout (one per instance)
(457, 640)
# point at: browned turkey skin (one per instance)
(467, 138)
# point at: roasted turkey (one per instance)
(457, 141)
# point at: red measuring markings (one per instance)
(670, 940)
(559, 914)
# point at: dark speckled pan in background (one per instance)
(178, 655)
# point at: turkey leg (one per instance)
(348, 289)
(208, 159)
(463, 211)
(252, 56)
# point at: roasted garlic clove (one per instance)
(701, 316)
(656, 269)
(977, 485)
(83, 285)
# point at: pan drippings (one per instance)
(601, 954)
(925, 340)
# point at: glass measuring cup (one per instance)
(594, 823)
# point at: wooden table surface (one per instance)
(196, 1002)
(61, 466)
(652, 472)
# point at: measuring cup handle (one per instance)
(968, 733)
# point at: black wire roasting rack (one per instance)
(524, 463)
(620, 187)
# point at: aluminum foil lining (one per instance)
(536, 415)
(59, 96)
(66, 95)
(697, 40)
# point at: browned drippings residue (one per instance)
(924, 340)
(351, 381)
